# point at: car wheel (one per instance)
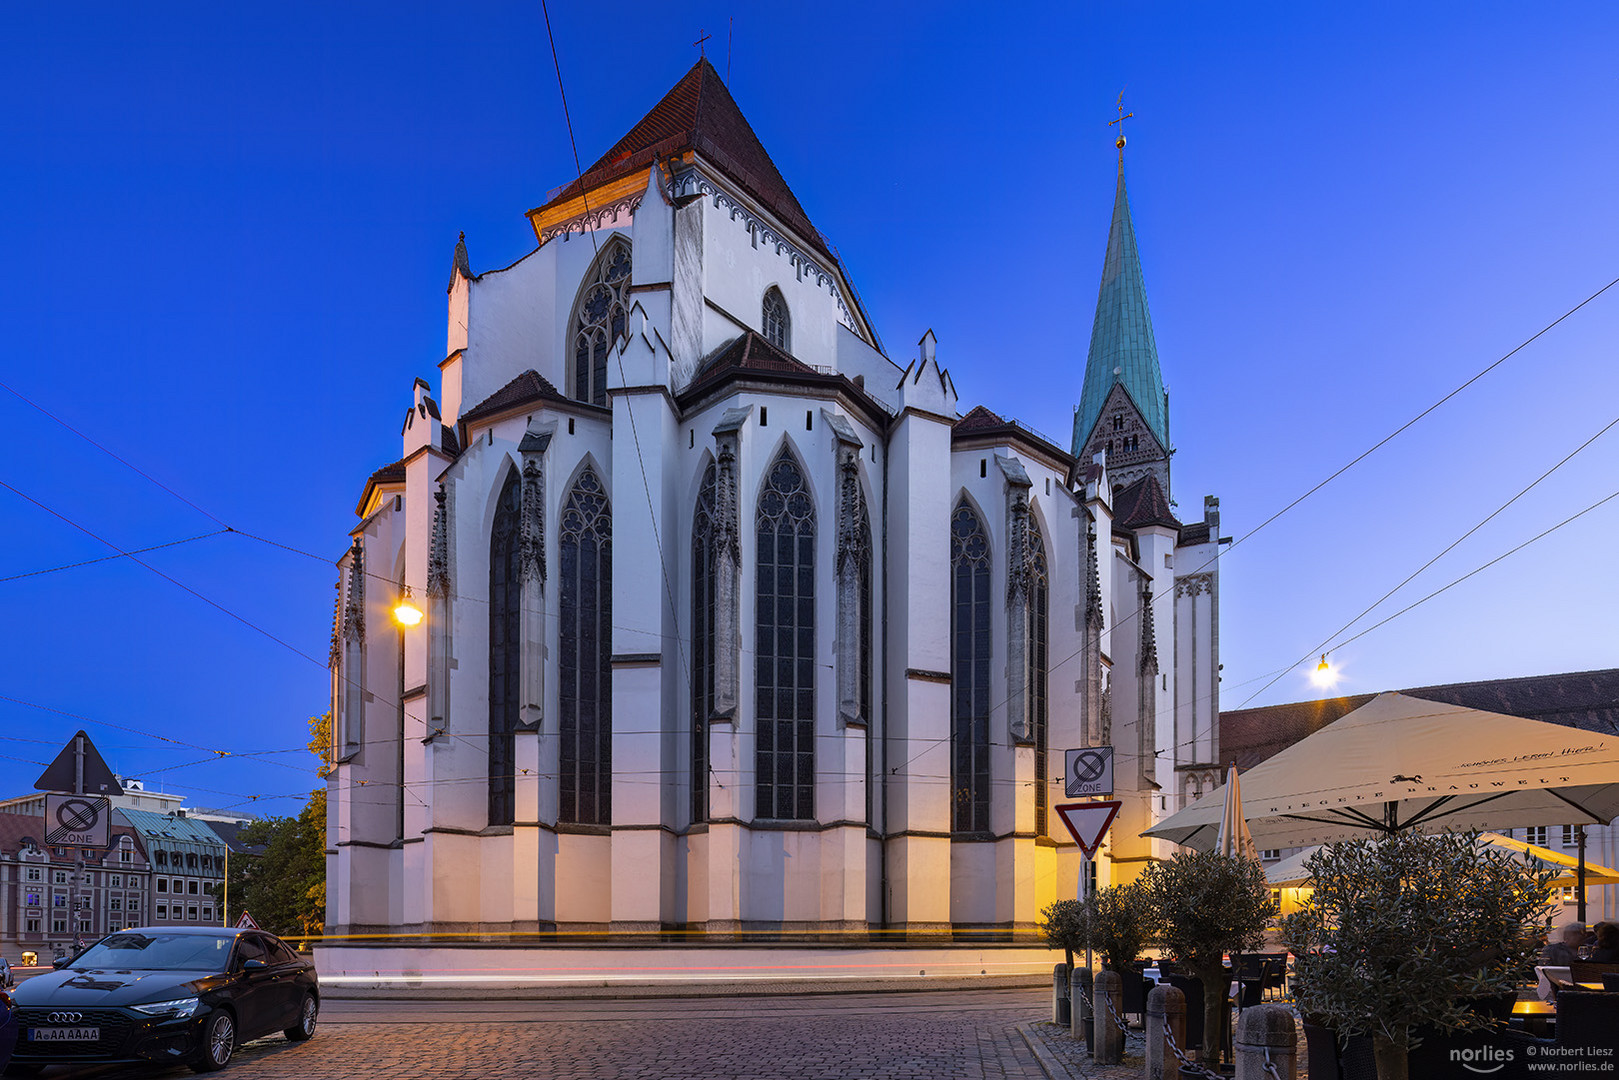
(218, 1043)
(305, 1027)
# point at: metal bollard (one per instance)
(1166, 1011)
(1267, 1031)
(1079, 1012)
(1108, 1043)
(1059, 995)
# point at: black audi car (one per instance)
(164, 995)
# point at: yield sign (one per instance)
(1088, 821)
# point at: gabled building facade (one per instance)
(731, 622)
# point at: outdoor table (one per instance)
(1536, 1015)
(1544, 977)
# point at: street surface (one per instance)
(907, 1036)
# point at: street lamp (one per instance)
(406, 613)
(1324, 675)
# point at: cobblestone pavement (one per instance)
(913, 1036)
(1065, 1058)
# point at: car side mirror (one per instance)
(61, 962)
(254, 965)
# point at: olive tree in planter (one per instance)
(1120, 924)
(1207, 904)
(1065, 927)
(1402, 930)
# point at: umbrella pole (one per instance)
(1579, 876)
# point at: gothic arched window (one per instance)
(774, 320)
(784, 650)
(505, 631)
(702, 640)
(600, 318)
(585, 542)
(969, 671)
(1039, 652)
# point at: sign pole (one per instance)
(1085, 872)
(78, 764)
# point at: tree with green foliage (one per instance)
(1402, 930)
(1206, 905)
(1121, 921)
(1065, 927)
(282, 882)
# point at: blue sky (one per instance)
(228, 234)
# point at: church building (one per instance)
(729, 619)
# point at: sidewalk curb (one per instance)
(1048, 1064)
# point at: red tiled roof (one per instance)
(1588, 700)
(751, 352)
(388, 474)
(1142, 504)
(979, 419)
(527, 387)
(700, 114)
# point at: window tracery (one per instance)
(969, 671)
(600, 319)
(585, 544)
(775, 321)
(784, 651)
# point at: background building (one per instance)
(54, 898)
(1588, 700)
(187, 860)
(732, 622)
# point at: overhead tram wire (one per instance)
(1326, 646)
(1218, 555)
(629, 411)
(112, 558)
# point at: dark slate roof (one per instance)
(1195, 533)
(1142, 504)
(978, 419)
(1588, 700)
(229, 832)
(452, 445)
(388, 474)
(700, 114)
(528, 387)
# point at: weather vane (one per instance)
(1123, 116)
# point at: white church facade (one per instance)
(734, 623)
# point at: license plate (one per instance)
(64, 1034)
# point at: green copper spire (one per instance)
(1122, 345)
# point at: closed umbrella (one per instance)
(1234, 838)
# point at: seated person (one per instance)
(1561, 952)
(1607, 946)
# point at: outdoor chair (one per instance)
(1588, 1019)
(1193, 989)
(1135, 995)
(1589, 971)
(1328, 1059)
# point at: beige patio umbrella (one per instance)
(1401, 762)
(1291, 874)
(1234, 837)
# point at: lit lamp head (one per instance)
(1323, 674)
(406, 613)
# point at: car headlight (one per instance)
(177, 1008)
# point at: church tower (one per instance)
(1123, 411)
